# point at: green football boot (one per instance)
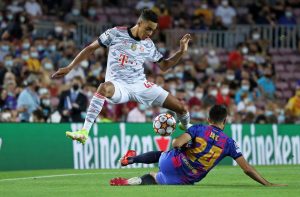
(80, 136)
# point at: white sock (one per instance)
(184, 119)
(93, 111)
(135, 181)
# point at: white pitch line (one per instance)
(62, 175)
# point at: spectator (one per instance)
(213, 60)
(33, 63)
(28, 100)
(204, 11)
(72, 102)
(266, 85)
(14, 30)
(137, 114)
(15, 7)
(292, 108)
(226, 13)
(235, 58)
(223, 96)
(287, 18)
(33, 8)
(144, 4)
(245, 90)
(74, 16)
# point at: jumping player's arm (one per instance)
(84, 54)
(165, 64)
(252, 173)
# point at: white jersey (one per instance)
(127, 55)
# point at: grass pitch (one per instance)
(222, 181)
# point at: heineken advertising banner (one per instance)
(44, 146)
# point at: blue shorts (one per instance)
(169, 169)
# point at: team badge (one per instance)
(133, 47)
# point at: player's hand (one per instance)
(184, 42)
(61, 72)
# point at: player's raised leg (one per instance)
(105, 90)
(181, 110)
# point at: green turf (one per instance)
(222, 181)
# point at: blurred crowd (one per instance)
(245, 82)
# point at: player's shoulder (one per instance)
(148, 43)
(121, 28)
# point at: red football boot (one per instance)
(124, 159)
(119, 181)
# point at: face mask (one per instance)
(92, 12)
(189, 86)
(230, 77)
(209, 71)
(89, 94)
(34, 54)
(212, 53)
(172, 86)
(10, 17)
(75, 12)
(141, 107)
(26, 45)
(269, 113)
(48, 66)
(179, 75)
(245, 50)
(75, 87)
(58, 29)
(255, 36)
(5, 48)
(162, 50)
(46, 102)
(96, 72)
(25, 57)
(245, 87)
(204, 6)
(84, 64)
(8, 63)
(22, 19)
(199, 95)
(197, 115)
(225, 91)
(213, 92)
(288, 14)
(52, 48)
(40, 48)
(149, 113)
(1, 18)
(225, 3)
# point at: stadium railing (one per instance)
(279, 36)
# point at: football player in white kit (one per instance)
(125, 80)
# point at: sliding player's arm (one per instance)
(181, 140)
(165, 64)
(84, 54)
(252, 173)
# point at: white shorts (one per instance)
(143, 92)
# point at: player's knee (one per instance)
(106, 89)
(182, 109)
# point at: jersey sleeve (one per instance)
(106, 38)
(193, 130)
(234, 149)
(154, 55)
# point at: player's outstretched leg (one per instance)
(183, 114)
(105, 90)
(147, 179)
(130, 157)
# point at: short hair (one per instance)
(149, 15)
(218, 113)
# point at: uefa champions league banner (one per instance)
(44, 146)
